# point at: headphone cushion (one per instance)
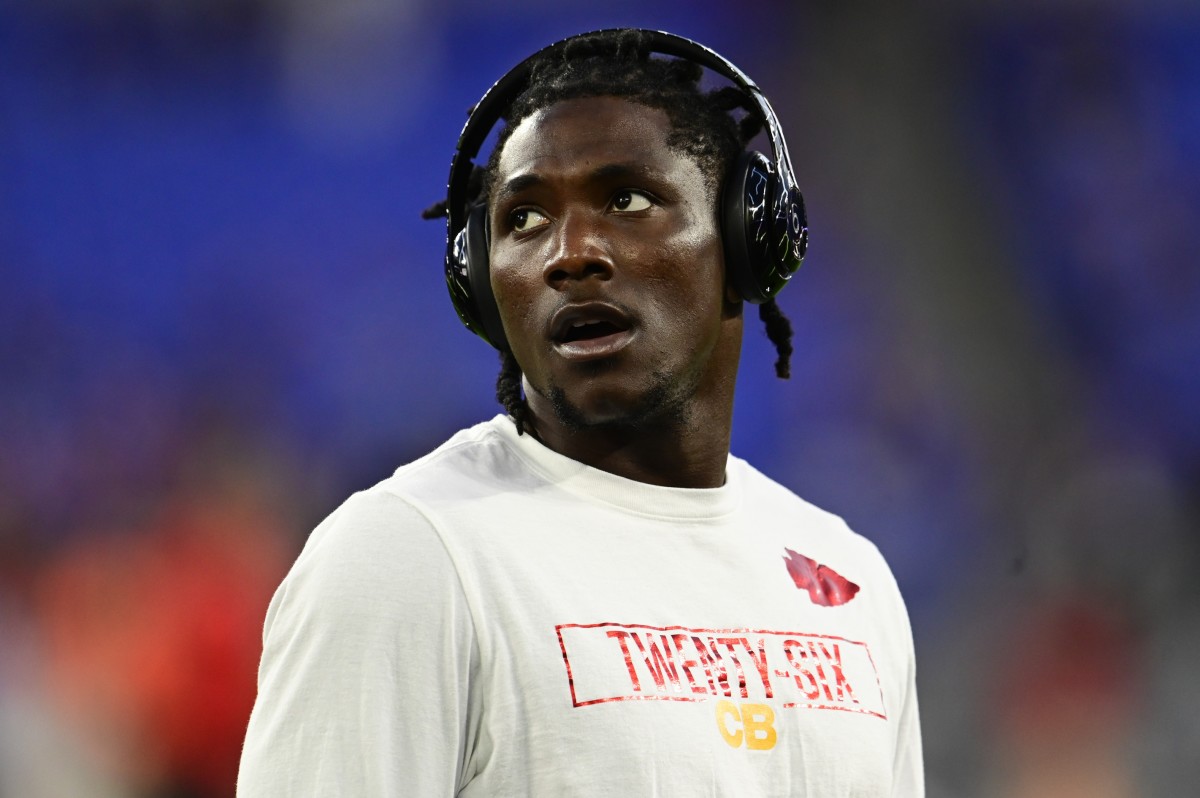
(477, 240)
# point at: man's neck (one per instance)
(688, 452)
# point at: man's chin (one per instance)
(652, 407)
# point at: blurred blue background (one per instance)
(221, 314)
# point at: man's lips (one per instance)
(590, 330)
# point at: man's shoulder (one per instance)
(764, 494)
(473, 460)
(392, 519)
(762, 489)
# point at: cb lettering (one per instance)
(752, 725)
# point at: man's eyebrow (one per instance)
(632, 169)
(517, 185)
(604, 172)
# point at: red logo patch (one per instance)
(825, 586)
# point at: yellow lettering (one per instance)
(727, 709)
(752, 724)
(759, 722)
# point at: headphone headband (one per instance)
(771, 213)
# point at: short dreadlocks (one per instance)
(703, 127)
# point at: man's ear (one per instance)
(731, 294)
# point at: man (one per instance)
(589, 595)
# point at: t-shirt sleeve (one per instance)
(909, 769)
(368, 651)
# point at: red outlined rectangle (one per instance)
(608, 662)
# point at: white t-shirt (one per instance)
(496, 619)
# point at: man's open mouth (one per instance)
(590, 330)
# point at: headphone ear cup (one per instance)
(762, 250)
(473, 243)
(743, 212)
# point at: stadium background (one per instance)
(220, 314)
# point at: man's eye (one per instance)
(629, 200)
(523, 219)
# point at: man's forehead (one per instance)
(595, 137)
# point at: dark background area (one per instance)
(221, 314)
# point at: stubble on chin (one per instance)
(657, 405)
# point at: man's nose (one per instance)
(580, 249)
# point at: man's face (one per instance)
(607, 266)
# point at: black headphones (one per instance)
(763, 224)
